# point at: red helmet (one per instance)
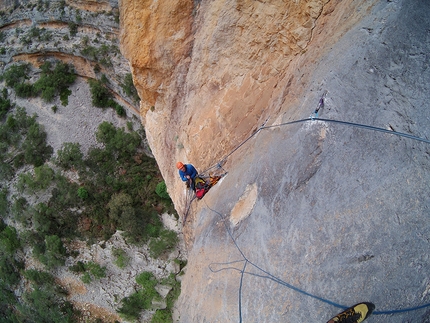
(179, 165)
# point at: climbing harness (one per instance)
(198, 189)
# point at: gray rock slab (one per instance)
(342, 213)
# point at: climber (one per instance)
(188, 173)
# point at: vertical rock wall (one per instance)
(155, 37)
(210, 72)
(337, 212)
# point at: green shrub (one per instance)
(64, 195)
(25, 40)
(104, 50)
(9, 271)
(162, 316)
(69, 156)
(43, 220)
(132, 223)
(53, 254)
(91, 52)
(165, 242)
(121, 258)
(46, 305)
(24, 90)
(41, 5)
(6, 171)
(86, 278)
(78, 16)
(117, 140)
(90, 270)
(8, 302)
(64, 96)
(39, 277)
(79, 267)
(106, 61)
(42, 178)
(153, 226)
(85, 40)
(5, 104)
(4, 204)
(27, 140)
(73, 28)
(55, 80)
(119, 109)
(36, 151)
(132, 306)
(129, 126)
(83, 193)
(161, 190)
(34, 32)
(100, 95)
(16, 74)
(96, 270)
(19, 205)
(148, 282)
(46, 36)
(97, 68)
(21, 210)
(174, 293)
(21, 120)
(2, 224)
(120, 205)
(9, 241)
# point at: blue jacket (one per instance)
(189, 170)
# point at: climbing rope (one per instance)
(275, 279)
(311, 119)
(189, 198)
(266, 274)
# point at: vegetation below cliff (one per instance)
(54, 200)
(79, 210)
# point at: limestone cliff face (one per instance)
(209, 73)
(338, 213)
(155, 37)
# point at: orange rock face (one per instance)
(155, 37)
(210, 73)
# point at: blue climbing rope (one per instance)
(315, 118)
(280, 281)
(267, 275)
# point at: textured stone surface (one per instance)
(338, 214)
(97, 28)
(239, 64)
(154, 37)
